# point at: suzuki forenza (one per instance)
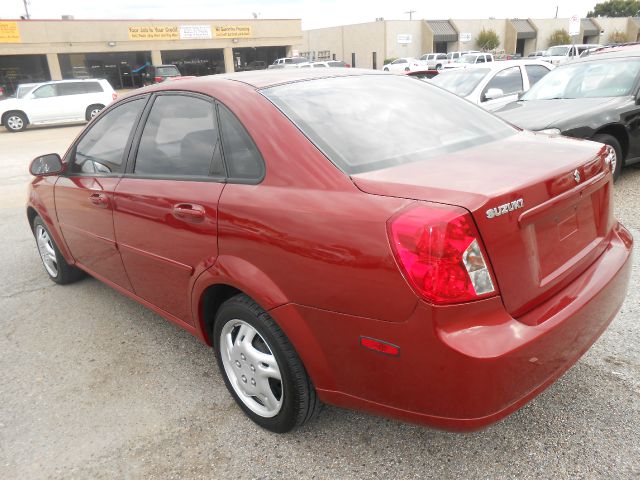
(354, 238)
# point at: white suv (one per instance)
(62, 101)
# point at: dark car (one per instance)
(160, 73)
(596, 98)
(334, 244)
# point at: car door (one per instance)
(75, 99)
(45, 104)
(509, 81)
(166, 205)
(84, 194)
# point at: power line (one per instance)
(410, 12)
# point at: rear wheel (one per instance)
(614, 148)
(438, 67)
(15, 121)
(54, 263)
(93, 110)
(386, 69)
(260, 367)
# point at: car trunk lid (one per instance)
(542, 206)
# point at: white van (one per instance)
(563, 53)
(61, 101)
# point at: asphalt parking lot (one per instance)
(93, 385)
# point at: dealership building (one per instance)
(367, 45)
(120, 50)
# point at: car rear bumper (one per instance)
(460, 367)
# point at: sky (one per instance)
(314, 13)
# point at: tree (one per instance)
(616, 8)
(488, 40)
(559, 37)
(618, 37)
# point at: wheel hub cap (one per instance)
(46, 251)
(15, 123)
(251, 368)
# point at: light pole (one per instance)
(26, 10)
(410, 12)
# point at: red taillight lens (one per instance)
(439, 250)
(157, 79)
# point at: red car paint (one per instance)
(311, 246)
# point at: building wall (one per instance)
(475, 27)
(362, 40)
(611, 25)
(400, 27)
(546, 27)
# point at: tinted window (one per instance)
(240, 153)
(179, 138)
(46, 91)
(509, 81)
(370, 122)
(535, 73)
(71, 88)
(93, 87)
(170, 71)
(101, 149)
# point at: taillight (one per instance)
(157, 79)
(114, 95)
(440, 253)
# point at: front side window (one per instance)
(102, 148)
(508, 80)
(593, 79)
(180, 138)
(46, 91)
(370, 122)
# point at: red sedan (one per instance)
(348, 237)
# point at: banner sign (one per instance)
(232, 31)
(404, 38)
(574, 25)
(9, 32)
(195, 32)
(160, 32)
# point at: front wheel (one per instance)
(438, 67)
(15, 121)
(615, 150)
(54, 263)
(386, 69)
(92, 111)
(260, 368)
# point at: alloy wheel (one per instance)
(14, 122)
(46, 250)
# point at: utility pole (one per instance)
(556, 11)
(410, 12)
(26, 10)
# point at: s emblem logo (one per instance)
(576, 176)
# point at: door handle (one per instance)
(99, 200)
(189, 212)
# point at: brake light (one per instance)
(157, 79)
(114, 96)
(439, 250)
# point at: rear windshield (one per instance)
(167, 71)
(460, 81)
(369, 122)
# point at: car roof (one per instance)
(632, 51)
(266, 78)
(73, 80)
(625, 47)
(500, 64)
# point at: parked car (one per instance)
(456, 56)
(160, 73)
(405, 64)
(563, 53)
(289, 62)
(61, 101)
(434, 61)
(24, 88)
(593, 98)
(224, 206)
(255, 65)
(539, 53)
(470, 59)
(492, 85)
(325, 64)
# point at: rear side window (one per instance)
(93, 87)
(180, 138)
(535, 73)
(241, 155)
(101, 149)
(71, 88)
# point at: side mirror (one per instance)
(50, 164)
(493, 93)
(520, 95)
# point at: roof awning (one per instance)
(443, 31)
(589, 28)
(524, 29)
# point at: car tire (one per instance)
(385, 69)
(438, 67)
(92, 111)
(615, 144)
(54, 263)
(250, 368)
(406, 69)
(15, 121)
